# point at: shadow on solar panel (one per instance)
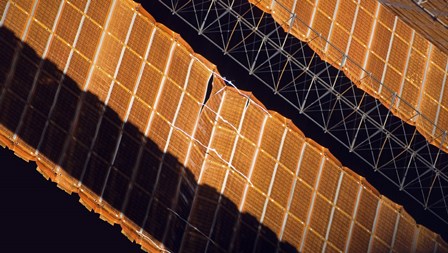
(39, 105)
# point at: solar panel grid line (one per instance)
(73, 45)
(249, 179)
(23, 35)
(224, 184)
(424, 80)
(139, 78)
(222, 152)
(198, 147)
(38, 72)
(202, 169)
(293, 7)
(386, 62)
(32, 99)
(99, 48)
(424, 232)
(439, 103)
(190, 145)
(435, 11)
(252, 166)
(272, 4)
(311, 207)
(20, 16)
(285, 174)
(374, 226)
(72, 12)
(271, 184)
(415, 240)
(353, 219)
(330, 32)
(84, 87)
(264, 167)
(436, 245)
(323, 18)
(18, 51)
(36, 34)
(357, 43)
(29, 20)
(148, 127)
(191, 141)
(405, 231)
(186, 159)
(162, 84)
(4, 9)
(128, 110)
(172, 129)
(178, 106)
(174, 204)
(405, 70)
(330, 223)
(219, 207)
(394, 236)
(313, 14)
(60, 81)
(144, 64)
(390, 220)
(237, 137)
(209, 148)
(242, 161)
(368, 210)
(352, 29)
(341, 219)
(291, 192)
(372, 35)
(46, 14)
(102, 116)
(441, 246)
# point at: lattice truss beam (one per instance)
(324, 95)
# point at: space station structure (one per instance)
(118, 108)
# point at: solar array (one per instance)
(396, 129)
(119, 109)
(379, 52)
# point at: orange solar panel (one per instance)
(381, 49)
(124, 122)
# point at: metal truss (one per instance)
(324, 95)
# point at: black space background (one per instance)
(38, 216)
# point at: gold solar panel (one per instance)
(379, 45)
(119, 109)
